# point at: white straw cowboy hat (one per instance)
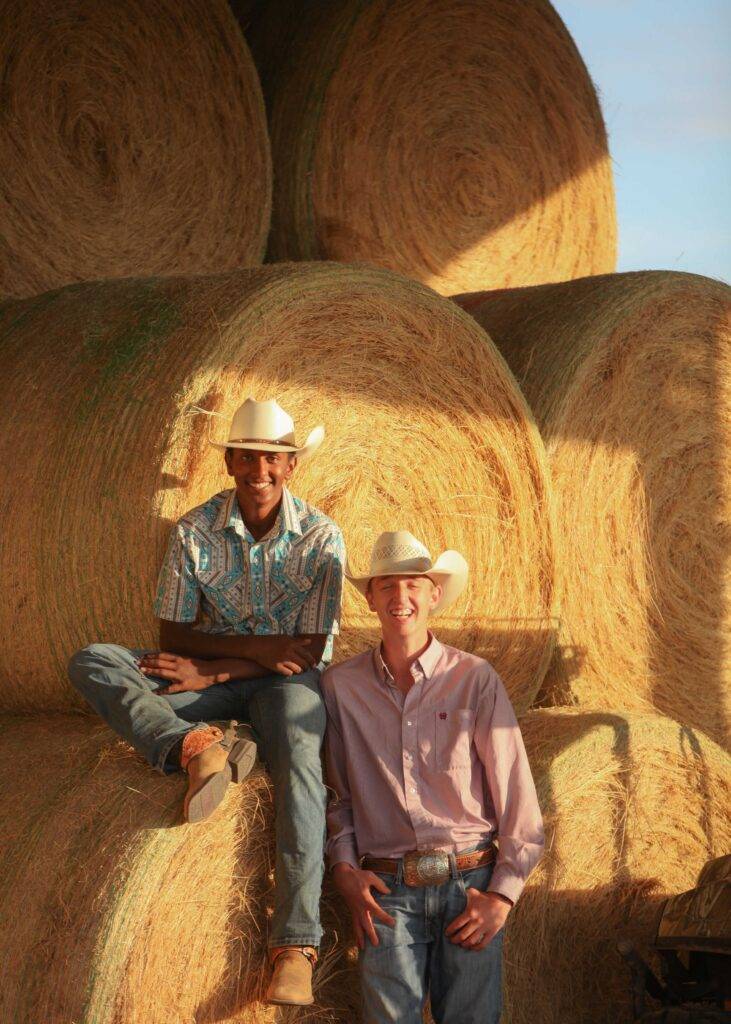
(266, 427)
(399, 553)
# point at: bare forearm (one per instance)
(184, 639)
(227, 669)
(194, 643)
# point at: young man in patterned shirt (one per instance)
(248, 599)
(428, 767)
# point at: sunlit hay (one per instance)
(133, 140)
(425, 430)
(634, 805)
(459, 142)
(629, 377)
(120, 913)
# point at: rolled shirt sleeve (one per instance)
(520, 825)
(320, 611)
(341, 844)
(178, 592)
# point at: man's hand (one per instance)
(481, 920)
(355, 887)
(183, 673)
(287, 655)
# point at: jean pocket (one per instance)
(454, 729)
(477, 878)
(405, 906)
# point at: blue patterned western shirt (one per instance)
(217, 575)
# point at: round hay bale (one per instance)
(459, 142)
(120, 913)
(425, 429)
(629, 377)
(634, 805)
(133, 141)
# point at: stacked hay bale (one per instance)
(425, 427)
(133, 141)
(634, 805)
(459, 142)
(119, 912)
(629, 377)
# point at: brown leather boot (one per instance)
(212, 759)
(291, 983)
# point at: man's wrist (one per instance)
(344, 865)
(500, 896)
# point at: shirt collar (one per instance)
(427, 661)
(288, 520)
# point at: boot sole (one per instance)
(238, 765)
(290, 1002)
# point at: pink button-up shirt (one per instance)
(442, 768)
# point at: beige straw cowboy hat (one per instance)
(265, 427)
(399, 553)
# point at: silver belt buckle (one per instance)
(426, 867)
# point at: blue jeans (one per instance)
(288, 719)
(415, 957)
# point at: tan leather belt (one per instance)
(428, 867)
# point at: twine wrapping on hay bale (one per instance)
(122, 914)
(629, 377)
(459, 142)
(634, 805)
(425, 429)
(133, 140)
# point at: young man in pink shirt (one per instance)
(428, 766)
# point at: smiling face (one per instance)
(403, 604)
(260, 477)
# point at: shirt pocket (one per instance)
(218, 579)
(288, 588)
(454, 729)
(298, 581)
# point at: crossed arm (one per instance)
(193, 660)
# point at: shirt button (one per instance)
(408, 723)
(412, 789)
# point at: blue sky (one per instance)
(663, 73)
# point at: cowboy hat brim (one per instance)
(450, 571)
(313, 442)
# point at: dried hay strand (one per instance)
(122, 914)
(629, 377)
(455, 141)
(634, 805)
(133, 140)
(425, 428)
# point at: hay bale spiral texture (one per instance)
(122, 914)
(459, 142)
(629, 377)
(634, 805)
(425, 429)
(133, 141)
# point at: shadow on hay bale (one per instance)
(121, 913)
(425, 427)
(133, 140)
(459, 142)
(629, 377)
(634, 805)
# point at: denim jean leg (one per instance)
(107, 676)
(394, 973)
(465, 986)
(288, 716)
